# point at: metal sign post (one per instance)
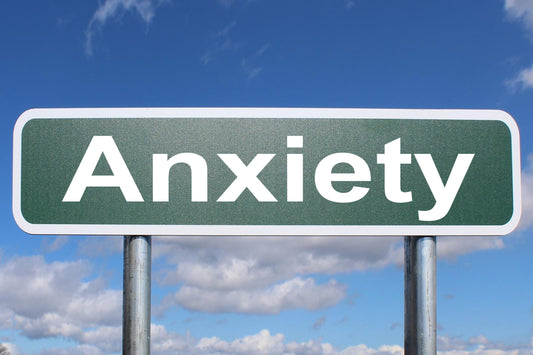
(420, 326)
(136, 295)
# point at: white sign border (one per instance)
(265, 230)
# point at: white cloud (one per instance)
(523, 80)
(250, 70)
(98, 246)
(251, 262)
(365, 350)
(165, 342)
(6, 317)
(95, 307)
(449, 343)
(77, 350)
(262, 343)
(104, 338)
(110, 9)
(247, 64)
(520, 10)
(54, 299)
(229, 3)
(250, 274)
(232, 263)
(226, 3)
(47, 325)
(11, 348)
(222, 41)
(243, 273)
(295, 293)
(225, 275)
(107, 338)
(453, 247)
(479, 345)
(480, 339)
(56, 244)
(319, 323)
(266, 343)
(32, 287)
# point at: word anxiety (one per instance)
(246, 176)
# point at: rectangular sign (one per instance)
(266, 171)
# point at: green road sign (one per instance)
(266, 171)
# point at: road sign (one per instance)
(266, 171)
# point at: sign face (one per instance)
(266, 171)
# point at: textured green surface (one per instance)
(53, 148)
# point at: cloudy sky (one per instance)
(63, 295)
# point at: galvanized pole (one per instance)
(136, 295)
(420, 327)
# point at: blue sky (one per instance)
(62, 295)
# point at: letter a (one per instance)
(84, 175)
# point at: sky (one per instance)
(268, 295)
